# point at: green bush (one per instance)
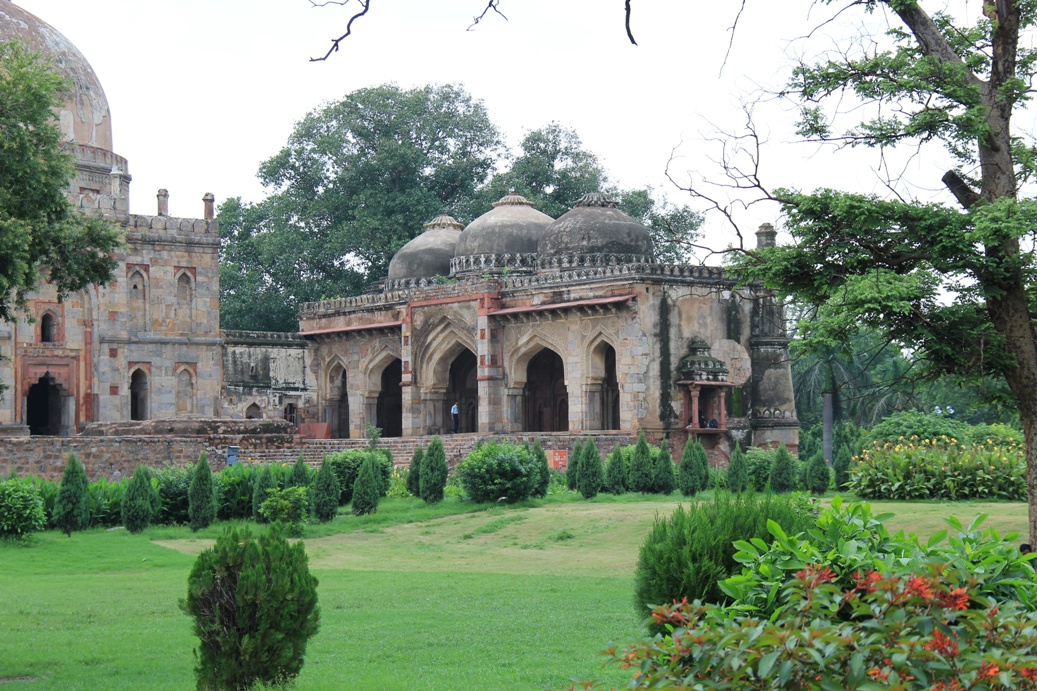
(616, 472)
(543, 480)
(254, 606)
(903, 425)
(367, 488)
(300, 473)
(818, 475)
(759, 461)
(233, 487)
(433, 472)
(664, 480)
(997, 434)
(642, 467)
(325, 493)
(105, 501)
(201, 502)
(72, 511)
(499, 470)
(689, 554)
(738, 479)
(784, 477)
(264, 483)
(289, 506)
(414, 472)
(21, 509)
(841, 468)
(174, 484)
(346, 465)
(151, 485)
(592, 474)
(572, 467)
(137, 508)
(693, 473)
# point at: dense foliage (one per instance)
(817, 475)
(201, 501)
(433, 472)
(664, 479)
(289, 506)
(21, 509)
(263, 484)
(414, 472)
(367, 488)
(72, 511)
(137, 508)
(641, 467)
(616, 472)
(543, 480)
(592, 474)
(572, 467)
(694, 469)
(738, 471)
(499, 471)
(325, 493)
(784, 475)
(346, 465)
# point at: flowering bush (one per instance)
(942, 468)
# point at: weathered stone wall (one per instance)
(268, 375)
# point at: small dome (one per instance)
(595, 226)
(513, 226)
(430, 253)
(85, 118)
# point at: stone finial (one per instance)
(766, 236)
(443, 221)
(163, 202)
(512, 199)
(210, 213)
(597, 199)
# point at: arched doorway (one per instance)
(139, 395)
(463, 389)
(610, 392)
(253, 412)
(546, 398)
(338, 403)
(389, 409)
(43, 407)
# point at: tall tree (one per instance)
(357, 179)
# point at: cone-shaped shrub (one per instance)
(783, 472)
(367, 488)
(72, 510)
(572, 467)
(738, 471)
(137, 511)
(153, 496)
(433, 472)
(817, 475)
(642, 470)
(544, 470)
(300, 473)
(616, 473)
(664, 481)
(841, 465)
(689, 475)
(325, 493)
(414, 472)
(264, 481)
(254, 605)
(592, 475)
(201, 501)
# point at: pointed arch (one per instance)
(185, 292)
(441, 346)
(336, 402)
(139, 394)
(185, 404)
(601, 384)
(545, 395)
(525, 349)
(50, 327)
(138, 292)
(253, 412)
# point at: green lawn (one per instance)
(451, 597)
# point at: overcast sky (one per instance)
(201, 91)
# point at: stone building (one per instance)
(147, 345)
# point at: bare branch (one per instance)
(626, 4)
(731, 40)
(365, 4)
(490, 5)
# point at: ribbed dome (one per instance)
(595, 226)
(85, 118)
(513, 226)
(430, 253)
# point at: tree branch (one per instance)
(490, 5)
(365, 4)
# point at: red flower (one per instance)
(955, 599)
(942, 644)
(987, 670)
(919, 587)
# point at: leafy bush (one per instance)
(689, 554)
(105, 501)
(260, 490)
(325, 493)
(616, 472)
(940, 469)
(759, 461)
(499, 470)
(137, 509)
(21, 509)
(997, 434)
(300, 473)
(664, 480)
(433, 472)
(642, 467)
(841, 467)
(367, 488)
(738, 479)
(289, 506)
(398, 484)
(572, 468)
(414, 472)
(72, 511)
(543, 480)
(694, 470)
(783, 472)
(905, 424)
(233, 487)
(174, 484)
(201, 502)
(818, 475)
(346, 465)
(254, 605)
(592, 474)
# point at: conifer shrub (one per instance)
(572, 467)
(325, 493)
(174, 484)
(760, 462)
(592, 474)
(137, 508)
(689, 553)
(264, 483)
(664, 481)
(288, 506)
(616, 472)
(818, 475)
(642, 470)
(21, 510)
(543, 480)
(346, 465)
(201, 501)
(414, 472)
(689, 475)
(738, 479)
(367, 488)
(783, 472)
(152, 486)
(841, 466)
(72, 511)
(254, 606)
(433, 472)
(300, 473)
(499, 471)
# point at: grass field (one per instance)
(413, 597)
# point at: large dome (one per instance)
(595, 227)
(85, 118)
(513, 226)
(430, 253)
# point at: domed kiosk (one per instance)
(595, 231)
(429, 254)
(502, 240)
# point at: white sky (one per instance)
(201, 91)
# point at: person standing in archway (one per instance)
(456, 415)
